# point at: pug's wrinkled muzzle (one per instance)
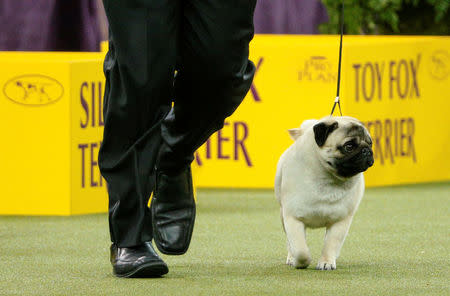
(358, 163)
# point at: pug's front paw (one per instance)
(326, 265)
(301, 262)
(290, 260)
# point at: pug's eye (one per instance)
(349, 146)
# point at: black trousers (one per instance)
(153, 118)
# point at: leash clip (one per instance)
(337, 101)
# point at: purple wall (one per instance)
(289, 16)
(38, 25)
(75, 25)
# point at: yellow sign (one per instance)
(51, 109)
(397, 86)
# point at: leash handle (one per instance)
(337, 100)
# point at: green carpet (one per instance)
(398, 245)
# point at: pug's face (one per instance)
(344, 146)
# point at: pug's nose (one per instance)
(366, 151)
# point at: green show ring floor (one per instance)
(398, 245)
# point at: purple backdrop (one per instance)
(74, 25)
(69, 25)
(289, 16)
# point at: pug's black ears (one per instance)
(322, 131)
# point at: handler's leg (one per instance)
(139, 71)
(214, 75)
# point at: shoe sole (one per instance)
(175, 252)
(148, 270)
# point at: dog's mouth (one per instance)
(351, 168)
(331, 167)
(344, 170)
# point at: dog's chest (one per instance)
(318, 209)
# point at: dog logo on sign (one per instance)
(33, 90)
(439, 65)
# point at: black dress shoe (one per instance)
(140, 261)
(173, 211)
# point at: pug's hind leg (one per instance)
(298, 251)
(334, 239)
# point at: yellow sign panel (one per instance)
(51, 109)
(52, 128)
(399, 88)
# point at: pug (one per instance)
(319, 183)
